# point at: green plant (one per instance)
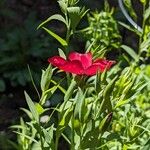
(102, 32)
(143, 33)
(100, 109)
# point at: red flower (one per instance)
(81, 64)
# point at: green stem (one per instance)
(67, 34)
(33, 81)
(42, 144)
(72, 135)
(56, 142)
(68, 79)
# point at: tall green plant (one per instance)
(98, 111)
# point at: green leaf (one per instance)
(89, 45)
(73, 2)
(106, 103)
(121, 102)
(105, 123)
(88, 111)
(33, 81)
(143, 1)
(76, 14)
(59, 87)
(65, 118)
(147, 13)
(17, 127)
(128, 4)
(66, 114)
(54, 17)
(130, 28)
(57, 37)
(61, 53)
(27, 112)
(39, 108)
(70, 90)
(26, 136)
(145, 45)
(47, 94)
(131, 52)
(46, 77)
(63, 6)
(79, 106)
(32, 107)
(49, 136)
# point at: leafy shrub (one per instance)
(105, 109)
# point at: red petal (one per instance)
(104, 61)
(100, 64)
(57, 61)
(73, 67)
(85, 59)
(92, 70)
(104, 64)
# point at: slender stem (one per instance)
(67, 34)
(56, 142)
(66, 48)
(42, 144)
(33, 81)
(72, 135)
(68, 79)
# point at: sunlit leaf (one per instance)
(53, 17)
(26, 136)
(46, 77)
(57, 37)
(32, 107)
(131, 52)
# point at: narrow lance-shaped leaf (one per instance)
(61, 53)
(32, 107)
(98, 82)
(26, 136)
(105, 123)
(70, 90)
(89, 109)
(27, 112)
(106, 103)
(130, 28)
(57, 37)
(54, 17)
(64, 120)
(128, 4)
(46, 77)
(47, 94)
(65, 117)
(49, 136)
(147, 13)
(79, 106)
(131, 52)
